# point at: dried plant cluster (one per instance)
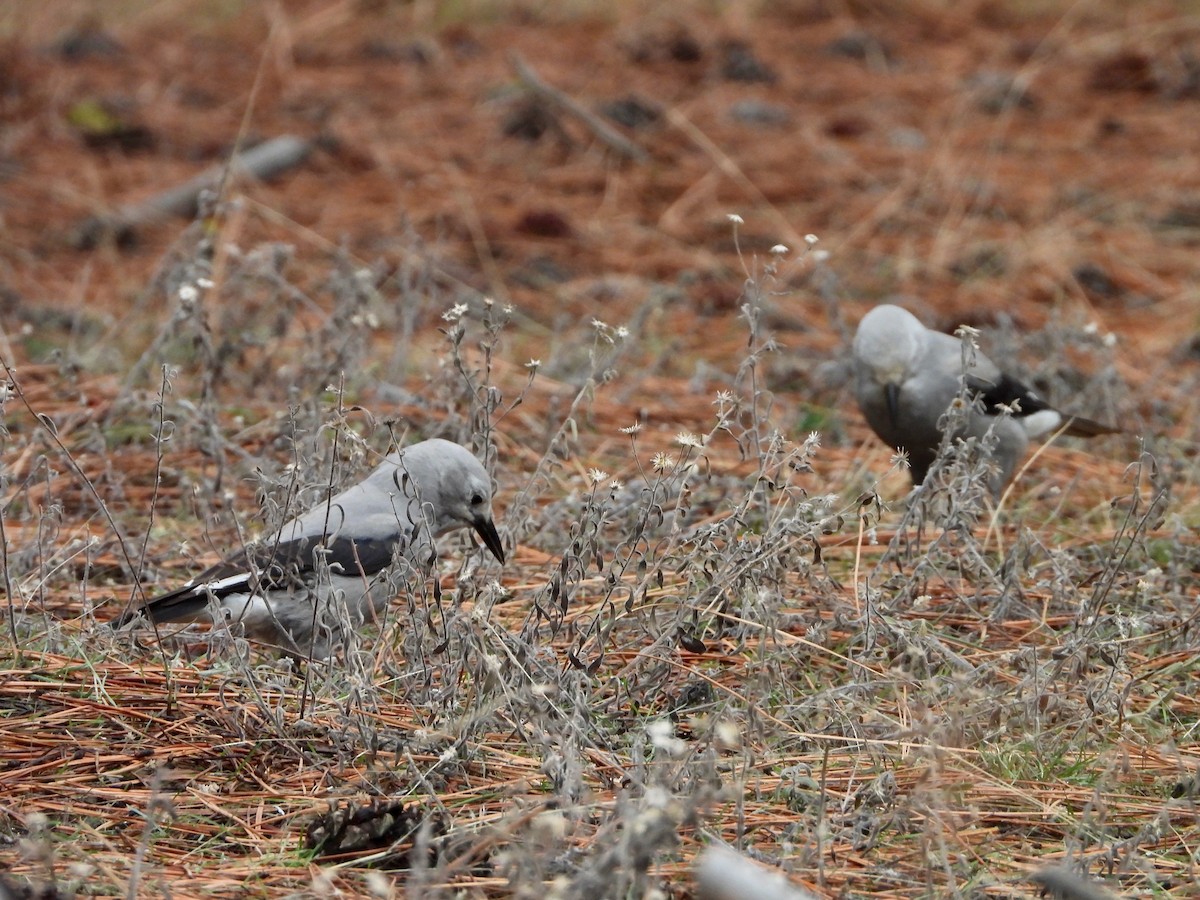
(721, 643)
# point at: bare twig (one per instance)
(606, 134)
(263, 162)
(49, 428)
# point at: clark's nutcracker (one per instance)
(907, 376)
(329, 567)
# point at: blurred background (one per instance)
(992, 162)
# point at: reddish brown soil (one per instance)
(890, 136)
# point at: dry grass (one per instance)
(702, 647)
(712, 628)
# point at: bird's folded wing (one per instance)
(278, 566)
(1004, 391)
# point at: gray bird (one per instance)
(907, 376)
(328, 568)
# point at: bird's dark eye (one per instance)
(476, 499)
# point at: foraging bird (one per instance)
(907, 376)
(328, 568)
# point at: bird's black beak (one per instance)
(486, 529)
(891, 395)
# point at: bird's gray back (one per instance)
(383, 505)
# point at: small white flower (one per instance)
(205, 283)
(598, 325)
(322, 885)
(632, 429)
(622, 332)
(662, 735)
(615, 485)
(533, 364)
(550, 825)
(728, 735)
(378, 884)
(597, 475)
(448, 755)
(687, 439)
(780, 249)
(188, 294)
(488, 302)
(735, 219)
(1091, 328)
(811, 239)
(966, 331)
(663, 462)
(508, 309)
(820, 255)
(454, 313)
(1109, 340)
(1148, 579)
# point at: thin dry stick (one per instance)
(731, 169)
(157, 805)
(858, 547)
(1003, 502)
(268, 159)
(48, 426)
(306, 691)
(159, 440)
(8, 584)
(606, 134)
(483, 249)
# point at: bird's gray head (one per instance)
(453, 483)
(888, 344)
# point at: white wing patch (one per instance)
(1041, 422)
(223, 584)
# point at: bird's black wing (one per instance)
(282, 565)
(1004, 392)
